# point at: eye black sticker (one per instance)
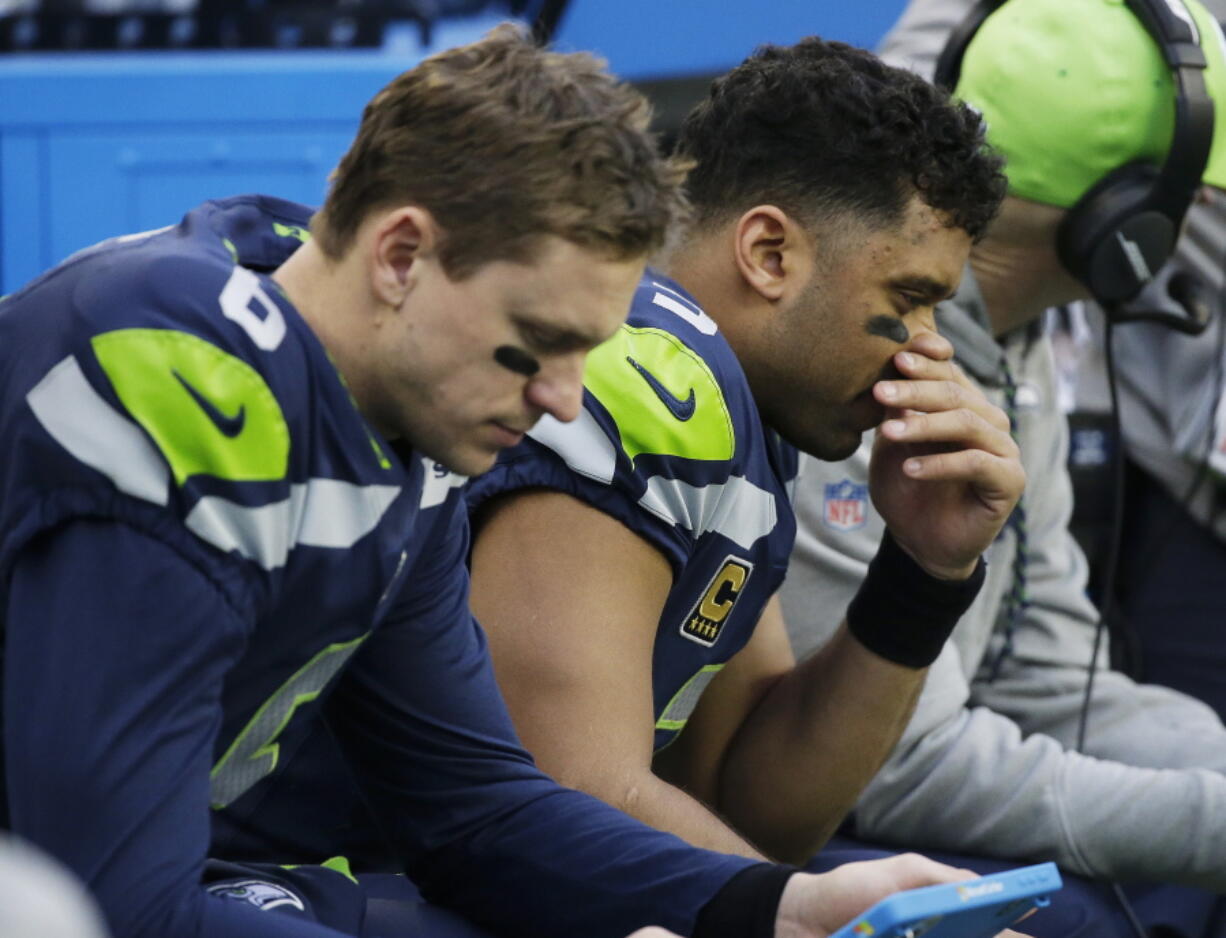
(516, 360)
(888, 328)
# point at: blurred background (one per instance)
(119, 115)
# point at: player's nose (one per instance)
(927, 341)
(557, 389)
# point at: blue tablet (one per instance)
(977, 908)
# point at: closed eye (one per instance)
(549, 340)
(919, 292)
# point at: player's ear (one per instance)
(767, 250)
(399, 240)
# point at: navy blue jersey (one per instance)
(670, 443)
(205, 551)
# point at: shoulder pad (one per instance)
(208, 411)
(662, 395)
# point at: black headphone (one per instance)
(1119, 234)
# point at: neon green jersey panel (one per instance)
(662, 395)
(209, 412)
(291, 231)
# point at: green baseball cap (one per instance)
(1072, 89)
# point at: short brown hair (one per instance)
(503, 142)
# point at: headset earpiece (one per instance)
(1116, 238)
(1177, 298)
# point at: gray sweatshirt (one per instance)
(987, 766)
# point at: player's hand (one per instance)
(945, 472)
(816, 905)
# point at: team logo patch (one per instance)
(846, 505)
(260, 893)
(706, 620)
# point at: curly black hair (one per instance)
(822, 128)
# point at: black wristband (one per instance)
(747, 905)
(903, 613)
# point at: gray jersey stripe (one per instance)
(737, 509)
(582, 444)
(686, 699)
(321, 513)
(82, 422)
(261, 534)
(338, 514)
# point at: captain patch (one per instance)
(706, 620)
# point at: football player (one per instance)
(231, 514)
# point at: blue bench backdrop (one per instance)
(96, 144)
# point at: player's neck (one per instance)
(322, 291)
(1016, 292)
(705, 271)
(1017, 268)
(706, 267)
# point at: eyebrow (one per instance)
(551, 338)
(929, 288)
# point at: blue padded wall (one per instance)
(93, 145)
(649, 39)
(97, 145)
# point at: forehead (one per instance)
(566, 286)
(920, 245)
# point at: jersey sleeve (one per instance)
(657, 441)
(109, 725)
(157, 409)
(581, 459)
(479, 827)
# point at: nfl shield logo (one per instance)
(846, 506)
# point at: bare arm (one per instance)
(570, 599)
(786, 762)
(946, 474)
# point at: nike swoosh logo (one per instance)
(229, 426)
(681, 409)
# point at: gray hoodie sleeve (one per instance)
(918, 37)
